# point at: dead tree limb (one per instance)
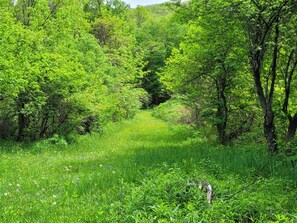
(205, 186)
(244, 188)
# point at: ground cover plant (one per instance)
(139, 171)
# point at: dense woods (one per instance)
(178, 112)
(66, 66)
(72, 66)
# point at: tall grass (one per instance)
(137, 171)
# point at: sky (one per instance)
(134, 3)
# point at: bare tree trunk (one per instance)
(289, 71)
(292, 127)
(23, 123)
(222, 110)
(269, 130)
(258, 35)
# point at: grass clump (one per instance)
(138, 171)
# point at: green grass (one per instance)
(137, 171)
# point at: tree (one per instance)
(47, 70)
(210, 61)
(262, 21)
(288, 64)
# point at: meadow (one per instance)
(139, 171)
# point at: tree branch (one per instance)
(244, 188)
(274, 61)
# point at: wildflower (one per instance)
(54, 203)
(6, 193)
(35, 182)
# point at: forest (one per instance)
(174, 112)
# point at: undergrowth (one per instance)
(139, 171)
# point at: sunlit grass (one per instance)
(106, 178)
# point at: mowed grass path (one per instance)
(52, 183)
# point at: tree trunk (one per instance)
(257, 52)
(23, 120)
(269, 130)
(22, 125)
(289, 72)
(222, 110)
(44, 125)
(292, 127)
(269, 127)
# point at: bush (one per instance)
(175, 111)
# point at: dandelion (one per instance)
(54, 203)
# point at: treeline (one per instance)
(237, 67)
(65, 66)
(71, 66)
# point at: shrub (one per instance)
(175, 111)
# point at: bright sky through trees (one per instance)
(134, 3)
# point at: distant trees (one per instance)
(157, 33)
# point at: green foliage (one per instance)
(139, 171)
(156, 34)
(175, 111)
(209, 69)
(164, 196)
(56, 78)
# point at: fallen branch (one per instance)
(205, 186)
(244, 188)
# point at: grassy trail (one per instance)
(137, 171)
(56, 183)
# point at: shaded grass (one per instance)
(136, 172)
